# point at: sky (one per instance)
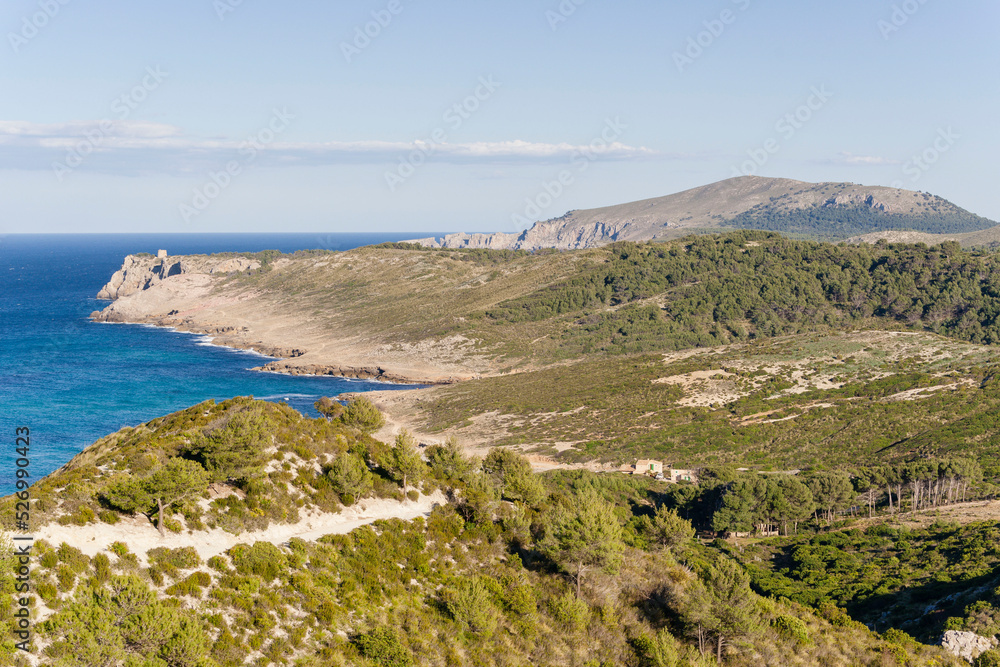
(479, 115)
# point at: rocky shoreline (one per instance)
(184, 294)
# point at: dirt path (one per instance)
(140, 535)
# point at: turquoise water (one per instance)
(72, 381)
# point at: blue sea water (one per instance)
(72, 381)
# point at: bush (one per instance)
(49, 559)
(792, 627)
(990, 658)
(191, 585)
(183, 558)
(73, 557)
(218, 563)
(570, 612)
(118, 548)
(262, 559)
(471, 605)
(108, 516)
(384, 647)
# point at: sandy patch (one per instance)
(760, 417)
(140, 535)
(703, 388)
(925, 392)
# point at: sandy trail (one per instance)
(140, 535)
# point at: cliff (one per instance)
(140, 272)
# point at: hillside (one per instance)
(826, 211)
(989, 238)
(496, 576)
(564, 352)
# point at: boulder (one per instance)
(967, 645)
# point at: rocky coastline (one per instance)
(186, 294)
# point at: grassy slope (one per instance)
(613, 409)
(585, 331)
(406, 296)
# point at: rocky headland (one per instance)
(218, 296)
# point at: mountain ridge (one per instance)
(827, 211)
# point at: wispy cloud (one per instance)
(850, 158)
(146, 147)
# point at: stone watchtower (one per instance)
(161, 254)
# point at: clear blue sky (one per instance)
(115, 115)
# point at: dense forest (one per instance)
(716, 289)
(834, 222)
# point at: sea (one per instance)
(70, 381)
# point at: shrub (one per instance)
(102, 568)
(262, 559)
(570, 612)
(990, 658)
(182, 558)
(384, 647)
(191, 585)
(48, 592)
(471, 605)
(65, 576)
(792, 627)
(108, 516)
(73, 557)
(118, 548)
(218, 563)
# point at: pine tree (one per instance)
(584, 535)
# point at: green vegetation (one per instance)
(921, 581)
(835, 400)
(836, 222)
(711, 290)
(163, 468)
(504, 588)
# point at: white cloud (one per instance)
(144, 147)
(850, 158)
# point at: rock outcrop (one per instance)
(141, 272)
(967, 645)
